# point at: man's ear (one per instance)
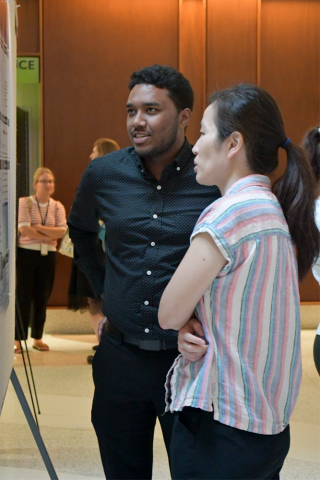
(184, 117)
(236, 143)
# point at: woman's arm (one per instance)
(34, 234)
(52, 232)
(199, 267)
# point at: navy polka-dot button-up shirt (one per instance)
(148, 225)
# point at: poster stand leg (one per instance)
(33, 427)
(21, 334)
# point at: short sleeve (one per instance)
(61, 220)
(24, 214)
(225, 249)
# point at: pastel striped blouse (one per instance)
(29, 215)
(251, 374)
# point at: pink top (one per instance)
(29, 215)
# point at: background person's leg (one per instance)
(25, 269)
(42, 289)
(316, 350)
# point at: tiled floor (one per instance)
(65, 389)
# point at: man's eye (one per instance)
(130, 111)
(151, 110)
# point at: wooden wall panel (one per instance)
(28, 40)
(290, 71)
(290, 61)
(192, 57)
(309, 289)
(231, 43)
(90, 50)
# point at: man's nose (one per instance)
(139, 120)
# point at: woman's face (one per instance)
(94, 153)
(44, 185)
(211, 155)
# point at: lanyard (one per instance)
(43, 221)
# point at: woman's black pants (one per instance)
(35, 276)
(202, 448)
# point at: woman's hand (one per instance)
(191, 342)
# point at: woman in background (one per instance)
(41, 221)
(80, 294)
(237, 382)
(311, 144)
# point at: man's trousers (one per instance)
(129, 396)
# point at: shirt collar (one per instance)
(245, 183)
(181, 159)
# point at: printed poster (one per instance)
(7, 189)
(4, 162)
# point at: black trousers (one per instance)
(129, 396)
(202, 448)
(316, 352)
(35, 276)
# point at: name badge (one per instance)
(44, 249)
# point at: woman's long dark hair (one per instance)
(251, 111)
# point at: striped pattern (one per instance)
(29, 215)
(251, 374)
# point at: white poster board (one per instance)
(7, 188)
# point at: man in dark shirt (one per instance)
(149, 201)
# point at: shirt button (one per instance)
(159, 187)
(155, 216)
(146, 302)
(147, 330)
(149, 272)
(152, 244)
(178, 168)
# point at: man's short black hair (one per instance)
(161, 76)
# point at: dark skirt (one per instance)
(79, 290)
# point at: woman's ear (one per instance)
(236, 143)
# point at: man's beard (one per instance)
(164, 147)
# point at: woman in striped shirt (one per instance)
(236, 383)
(41, 221)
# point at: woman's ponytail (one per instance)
(250, 110)
(295, 192)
